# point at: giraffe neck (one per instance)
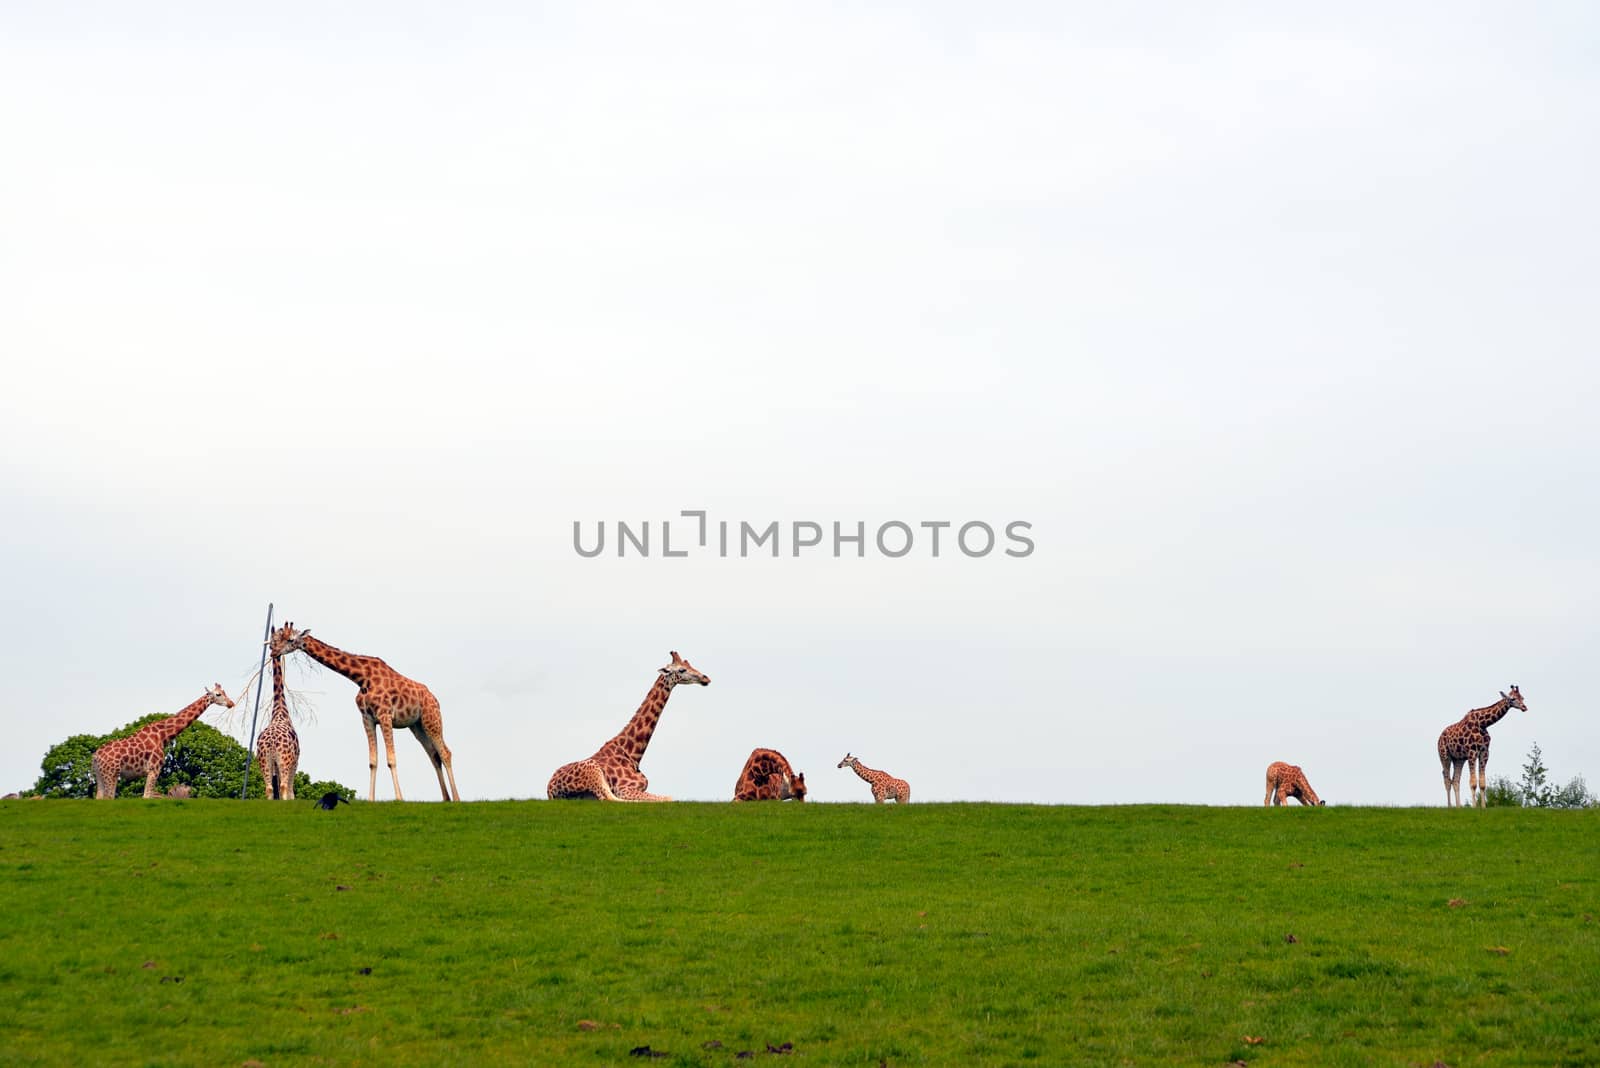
(862, 770)
(167, 729)
(632, 739)
(358, 669)
(280, 703)
(1484, 717)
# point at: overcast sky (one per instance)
(1276, 323)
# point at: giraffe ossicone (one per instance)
(141, 752)
(885, 787)
(612, 773)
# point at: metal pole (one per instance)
(266, 637)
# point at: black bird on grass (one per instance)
(331, 799)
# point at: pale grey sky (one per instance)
(1275, 321)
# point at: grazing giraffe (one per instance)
(613, 774)
(1467, 742)
(386, 699)
(767, 776)
(883, 784)
(1287, 780)
(278, 746)
(141, 752)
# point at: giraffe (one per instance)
(278, 746)
(141, 752)
(1467, 742)
(767, 776)
(1287, 780)
(883, 784)
(385, 699)
(613, 774)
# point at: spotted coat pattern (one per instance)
(278, 746)
(767, 776)
(1466, 741)
(1287, 780)
(884, 786)
(141, 752)
(386, 699)
(613, 774)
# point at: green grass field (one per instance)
(220, 932)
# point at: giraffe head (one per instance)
(680, 670)
(848, 761)
(797, 786)
(1515, 697)
(286, 640)
(214, 691)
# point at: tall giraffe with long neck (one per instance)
(141, 752)
(278, 746)
(884, 786)
(386, 699)
(613, 774)
(1467, 742)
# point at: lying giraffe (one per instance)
(1467, 742)
(141, 752)
(1287, 780)
(613, 774)
(278, 746)
(883, 784)
(767, 776)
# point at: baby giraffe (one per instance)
(883, 784)
(141, 752)
(1287, 780)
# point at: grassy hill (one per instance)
(218, 932)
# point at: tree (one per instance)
(1535, 791)
(209, 762)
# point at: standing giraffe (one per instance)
(767, 776)
(1287, 780)
(385, 699)
(613, 774)
(141, 752)
(278, 746)
(883, 784)
(1467, 742)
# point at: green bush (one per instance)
(1535, 789)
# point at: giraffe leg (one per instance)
(388, 748)
(597, 783)
(286, 770)
(1455, 781)
(372, 756)
(439, 754)
(150, 781)
(266, 774)
(631, 794)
